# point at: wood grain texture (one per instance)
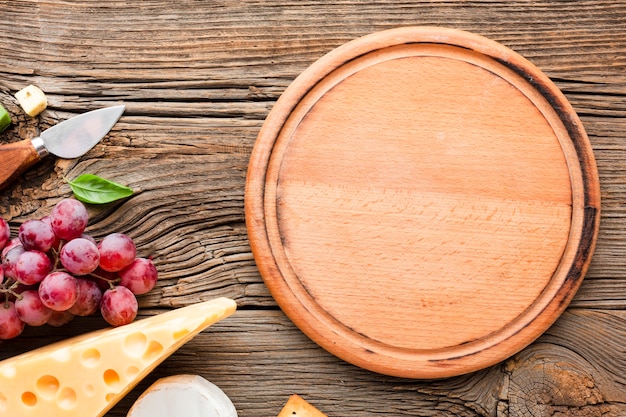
(198, 79)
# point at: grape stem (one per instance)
(111, 282)
(55, 255)
(9, 290)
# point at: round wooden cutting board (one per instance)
(422, 202)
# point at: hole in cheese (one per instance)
(180, 333)
(111, 378)
(154, 350)
(135, 344)
(91, 357)
(47, 386)
(67, 398)
(89, 390)
(131, 371)
(29, 399)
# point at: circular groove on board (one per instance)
(422, 202)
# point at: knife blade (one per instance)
(69, 139)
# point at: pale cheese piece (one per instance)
(87, 375)
(297, 406)
(32, 100)
(183, 395)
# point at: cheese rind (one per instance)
(87, 375)
(183, 395)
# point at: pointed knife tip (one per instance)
(120, 108)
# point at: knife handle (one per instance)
(16, 158)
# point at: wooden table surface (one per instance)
(198, 79)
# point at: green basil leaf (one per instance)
(93, 189)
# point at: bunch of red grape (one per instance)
(52, 271)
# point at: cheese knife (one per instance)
(69, 139)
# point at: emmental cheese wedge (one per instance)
(87, 375)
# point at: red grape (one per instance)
(10, 324)
(140, 276)
(89, 238)
(57, 241)
(69, 218)
(31, 267)
(5, 233)
(89, 296)
(58, 291)
(36, 235)
(117, 251)
(60, 318)
(10, 245)
(53, 271)
(31, 310)
(79, 256)
(118, 306)
(10, 259)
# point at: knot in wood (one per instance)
(557, 383)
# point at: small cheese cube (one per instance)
(5, 118)
(32, 100)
